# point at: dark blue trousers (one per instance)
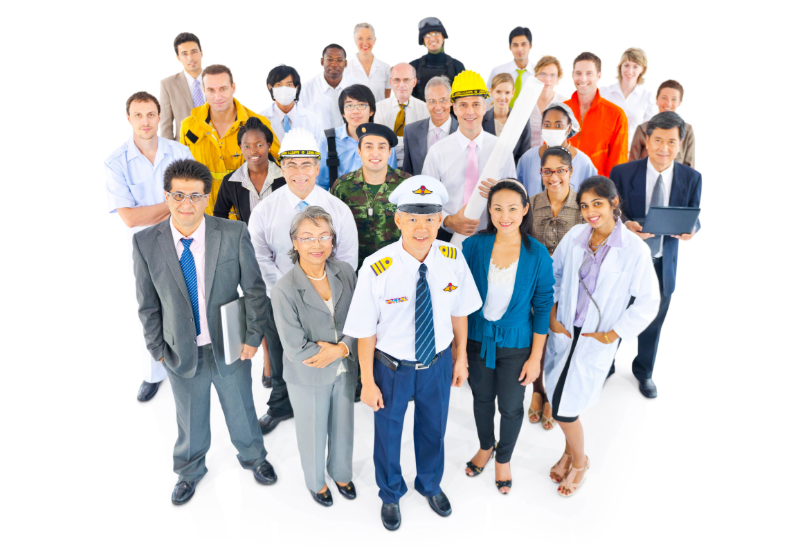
(430, 389)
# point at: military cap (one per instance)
(373, 129)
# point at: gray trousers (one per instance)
(192, 404)
(323, 417)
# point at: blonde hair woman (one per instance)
(501, 91)
(629, 92)
(548, 71)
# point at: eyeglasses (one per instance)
(339, 60)
(396, 81)
(358, 106)
(440, 101)
(429, 21)
(294, 167)
(547, 76)
(310, 240)
(433, 34)
(180, 197)
(559, 172)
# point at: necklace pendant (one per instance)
(369, 211)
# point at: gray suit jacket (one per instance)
(303, 319)
(415, 144)
(165, 309)
(524, 142)
(176, 104)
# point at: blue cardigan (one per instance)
(531, 301)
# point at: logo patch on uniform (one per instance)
(449, 252)
(422, 191)
(396, 300)
(450, 287)
(381, 266)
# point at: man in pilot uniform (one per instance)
(411, 301)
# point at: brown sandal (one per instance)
(548, 422)
(561, 468)
(533, 415)
(569, 482)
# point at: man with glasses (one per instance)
(520, 68)
(269, 225)
(134, 184)
(435, 62)
(420, 136)
(321, 94)
(182, 92)
(340, 148)
(401, 110)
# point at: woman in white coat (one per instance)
(598, 268)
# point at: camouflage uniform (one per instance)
(378, 230)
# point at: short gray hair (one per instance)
(364, 26)
(312, 213)
(438, 81)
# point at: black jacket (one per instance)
(524, 142)
(232, 195)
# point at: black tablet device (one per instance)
(670, 220)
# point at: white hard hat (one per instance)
(299, 142)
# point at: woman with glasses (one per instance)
(501, 91)
(558, 125)
(548, 71)
(368, 69)
(310, 305)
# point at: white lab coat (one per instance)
(626, 271)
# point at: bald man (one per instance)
(401, 109)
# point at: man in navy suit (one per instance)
(657, 181)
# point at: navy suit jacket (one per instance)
(631, 181)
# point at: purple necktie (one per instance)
(197, 95)
(471, 176)
(436, 133)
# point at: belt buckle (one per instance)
(420, 366)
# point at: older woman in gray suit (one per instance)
(310, 305)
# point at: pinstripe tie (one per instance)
(197, 94)
(424, 337)
(190, 276)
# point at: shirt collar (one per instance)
(666, 174)
(134, 152)
(294, 200)
(412, 263)
(199, 234)
(190, 80)
(464, 141)
(615, 239)
(342, 135)
(396, 102)
(542, 200)
(529, 67)
(445, 127)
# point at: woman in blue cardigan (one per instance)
(514, 274)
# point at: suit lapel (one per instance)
(639, 191)
(422, 137)
(310, 295)
(678, 193)
(453, 124)
(213, 239)
(171, 257)
(488, 121)
(184, 88)
(336, 284)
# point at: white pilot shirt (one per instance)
(385, 304)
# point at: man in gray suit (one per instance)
(182, 92)
(186, 268)
(419, 136)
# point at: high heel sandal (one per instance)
(569, 483)
(532, 413)
(477, 470)
(561, 469)
(501, 484)
(548, 422)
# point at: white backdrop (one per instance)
(709, 461)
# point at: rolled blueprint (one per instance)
(519, 117)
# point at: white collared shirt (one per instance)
(511, 68)
(444, 131)
(269, 230)
(299, 117)
(386, 113)
(318, 97)
(447, 162)
(650, 181)
(639, 107)
(378, 80)
(198, 250)
(385, 304)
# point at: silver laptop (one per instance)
(234, 329)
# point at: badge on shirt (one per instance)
(450, 287)
(449, 252)
(396, 300)
(381, 266)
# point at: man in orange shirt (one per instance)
(604, 127)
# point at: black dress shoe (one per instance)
(648, 388)
(183, 492)
(147, 390)
(265, 473)
(348, 491)
(269, 423)
(390, 515)
(326, 498)
(266, 381)
(440, 504)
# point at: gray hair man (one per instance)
(401, 110)
(419, 136)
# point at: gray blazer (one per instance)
(415, 144)
(303, 319)
(524, 142)
(165, 309)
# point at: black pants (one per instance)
(278, 403)
(501, 383)
(556, 401)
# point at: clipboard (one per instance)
(234, 329)
(670, 220)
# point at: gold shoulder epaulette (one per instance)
(381, 265)
(449, 252)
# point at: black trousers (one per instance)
(645, 360)
(500, 383)
(278, 403)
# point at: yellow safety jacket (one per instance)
(221, 155)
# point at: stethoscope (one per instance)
(591, 255)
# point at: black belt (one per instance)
(392, 363)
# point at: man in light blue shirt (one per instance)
(135, 187)
(357, 105)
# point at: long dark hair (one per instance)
(526, 227)
(604, 188)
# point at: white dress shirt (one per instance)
(385, 305)
(190, 81)
(536, 120)
(198, 250)
(378, 79)
(318, 97)
(299, 117)
(650, 181)
(269, 230)
(386, 113)
(444, 131)
(447, 162)
(639, 107)
(511, 68)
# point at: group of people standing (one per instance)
(334, 221)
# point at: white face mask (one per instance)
(284, 95)
(553, 138)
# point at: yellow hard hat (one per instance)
(468, 83)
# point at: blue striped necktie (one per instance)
(190, 276)
(424, 337)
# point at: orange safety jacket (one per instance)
(603, 135)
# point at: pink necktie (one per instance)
(436, 133)
(472, 174)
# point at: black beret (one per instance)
(373, 129)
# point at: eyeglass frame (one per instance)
(191, 197)
(289, 167)
(338, 60)
(310, 240)
(559, 172)
(441, 101)
(356, 106)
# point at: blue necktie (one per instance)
(301, 206)
(287, 124)
(424, 337)
(190, 276)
